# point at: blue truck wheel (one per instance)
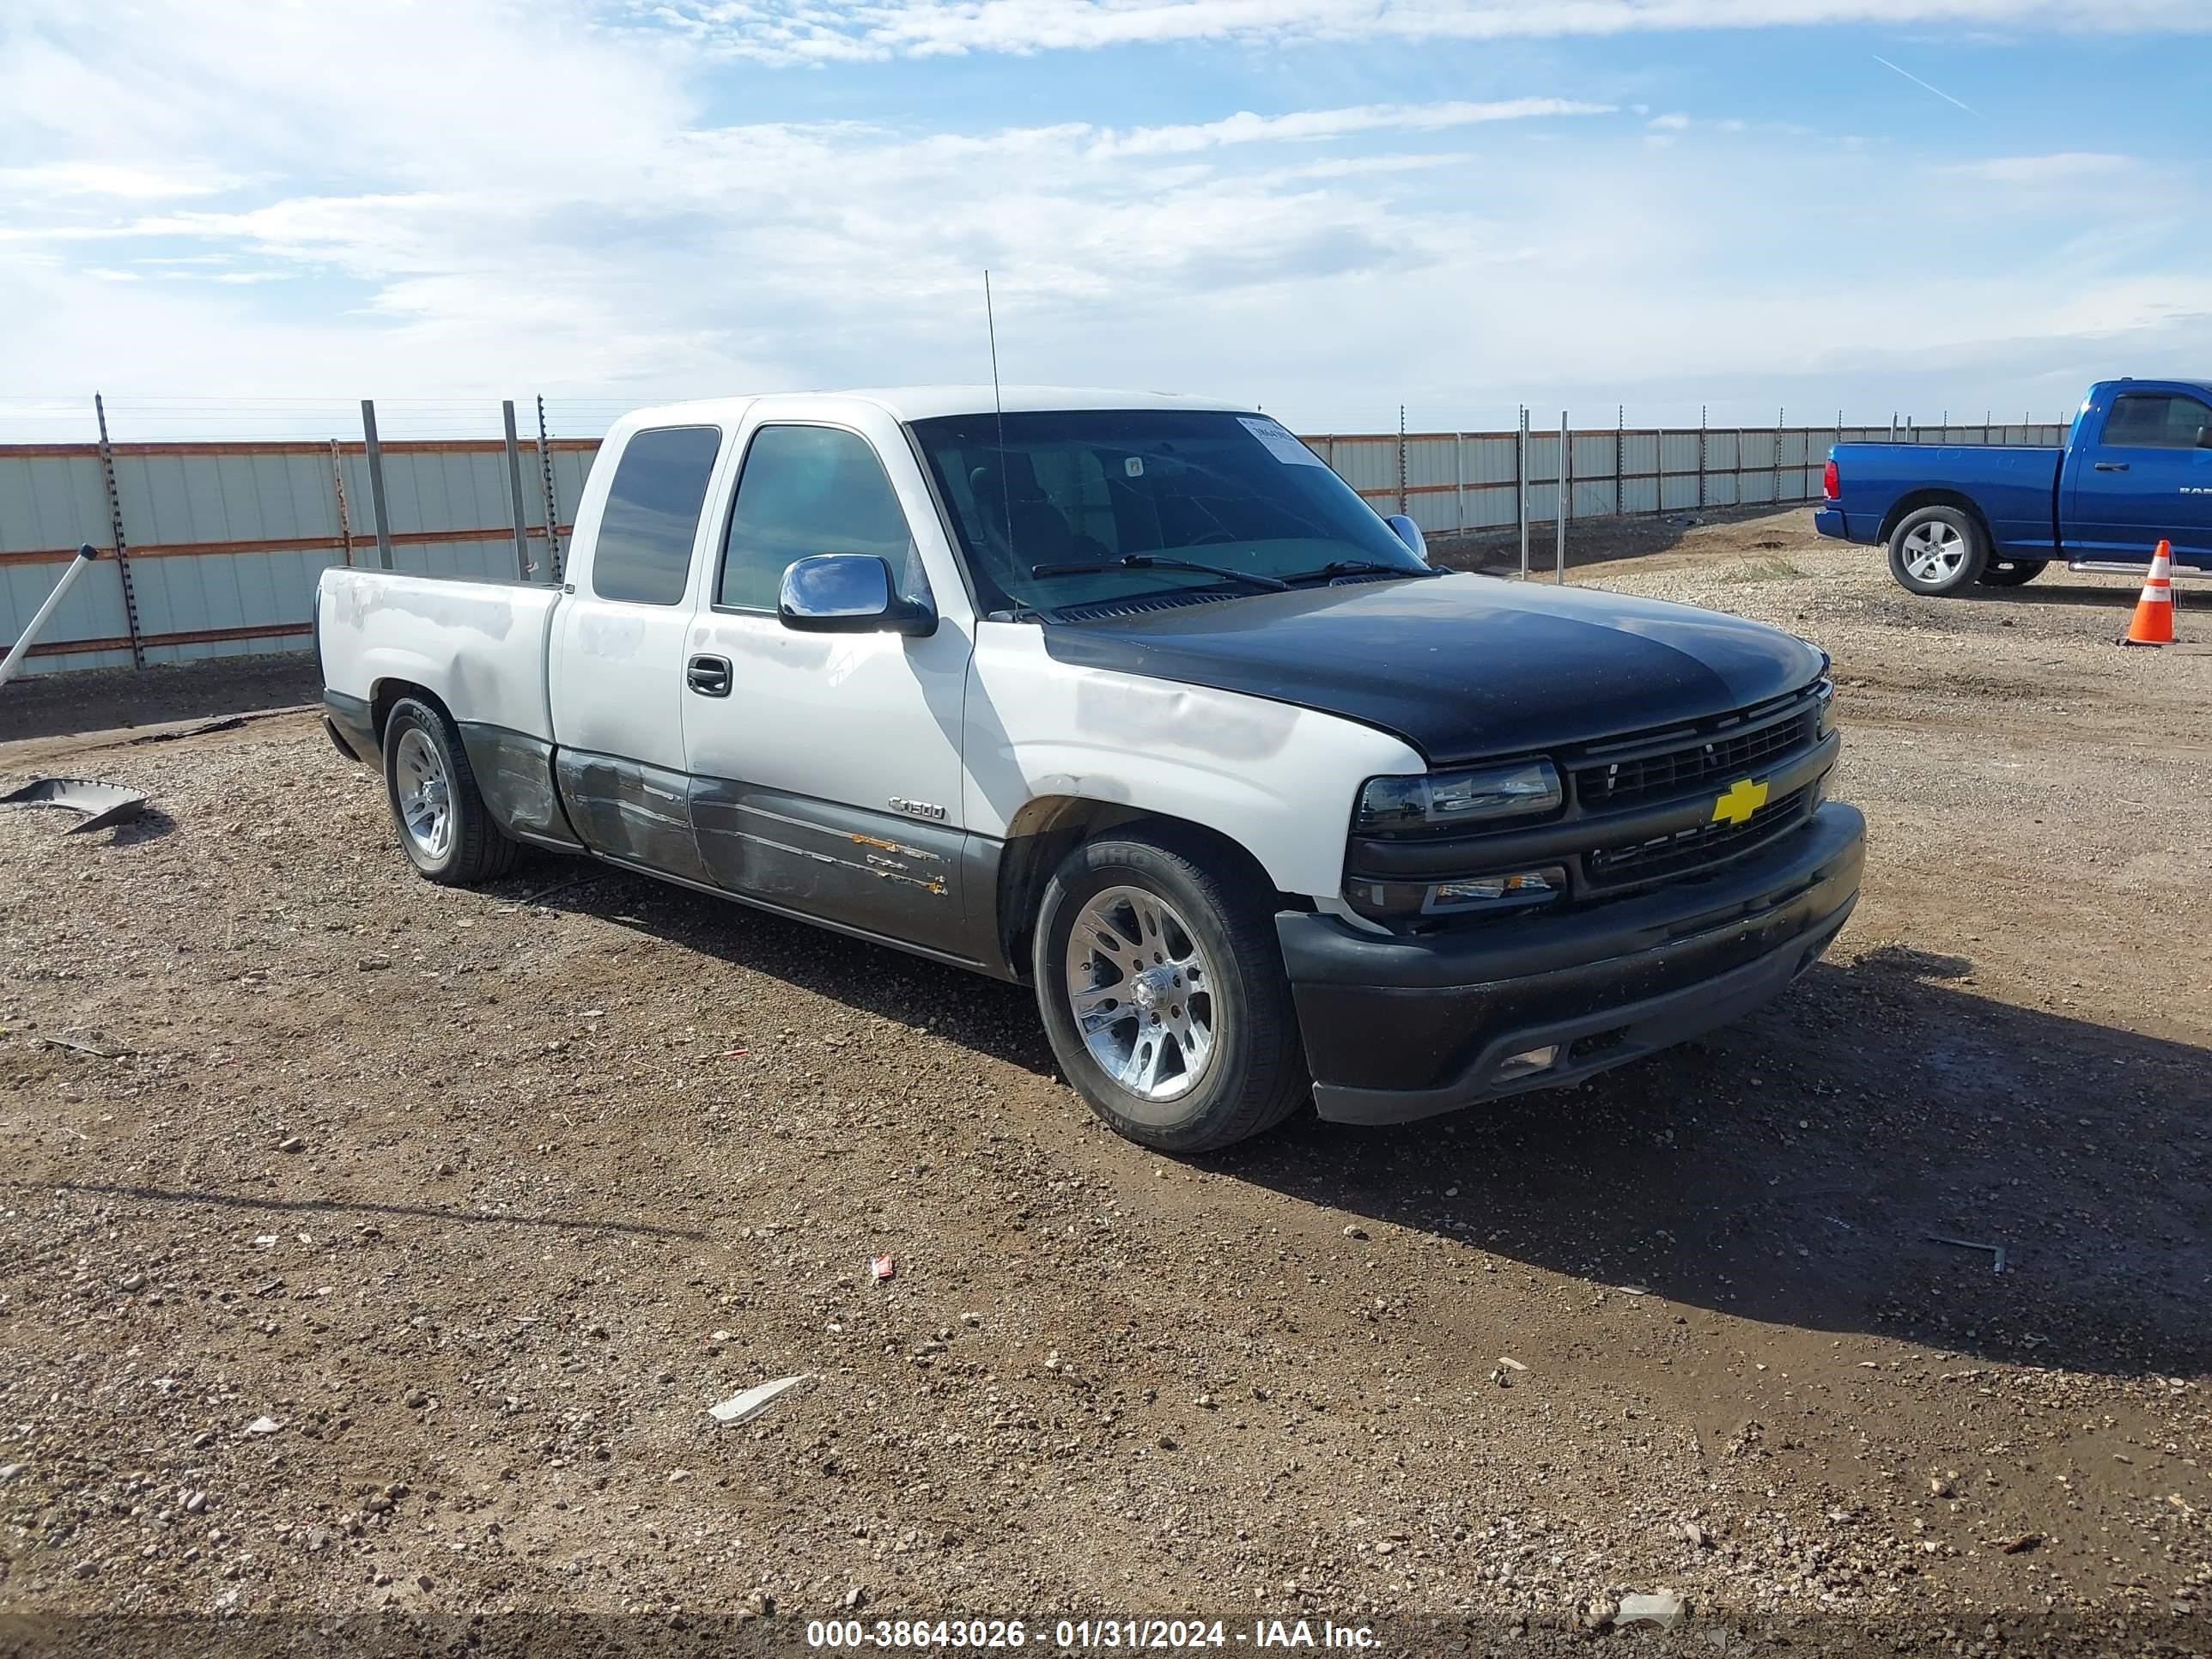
(1937, 551)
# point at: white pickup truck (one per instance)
(1129, 697)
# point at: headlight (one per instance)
(1825, 691)
(1443, 800)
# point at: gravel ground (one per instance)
(387, 1260)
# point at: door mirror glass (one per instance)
(848, 593)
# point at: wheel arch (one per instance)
(1908, 504)
(386, 695)
(1048, 828)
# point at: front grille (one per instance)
(1693, 849)
(1614, 834)
(1699, 762)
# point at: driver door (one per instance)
(826, 768)
(2148, 480)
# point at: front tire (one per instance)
(1937, 551)
(1162, 989)
(2011, 573)
(445, 829)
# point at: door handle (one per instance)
(708, 676)
(2112, 467)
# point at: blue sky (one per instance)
(238, 218)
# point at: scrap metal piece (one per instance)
(83, 1047)
(102, 803)
(1995, 1251)
(739, 1407)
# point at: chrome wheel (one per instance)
(1141, 991)
(1933, 552)
(423, 795)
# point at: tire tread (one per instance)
(482, 851)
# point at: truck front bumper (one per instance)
(1398, 1028)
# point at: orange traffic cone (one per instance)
(2154, 619)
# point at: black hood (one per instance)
(1459, 667)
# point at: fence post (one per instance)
(1401, 458)
(1565, 503)
(552, 497)
(1459, 477)
(521, 514)
(337, 490)
(376, 483)
(1521, 485)
(1619, 458)
(1701, 460)
(115, 529)
(1781, 419)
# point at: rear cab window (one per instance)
(643, 554)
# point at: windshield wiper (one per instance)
(1148, 561)
(1336, 567)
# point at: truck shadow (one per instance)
(1795, 1169)
(2054, 589)
(1802, 1168)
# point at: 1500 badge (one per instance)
(915, 809)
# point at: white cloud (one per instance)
(821, 31)
(65, 180)
(2065, 166)
(471, 201)
(1246, 127)
(1674, 123)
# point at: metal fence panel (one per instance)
(1429, 462)
(1678, 451)
(228, 539)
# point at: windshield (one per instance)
(1087, 488)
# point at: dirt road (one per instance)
(481, 1198)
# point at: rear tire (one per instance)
(1937, 551)
(2011, 573)
(444, 827)
(1162, 988)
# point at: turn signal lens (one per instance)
(1526, 1061)
(1497, 893)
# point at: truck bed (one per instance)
(480, 646)
(2014, 488)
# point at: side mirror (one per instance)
(849, 594)
(2204, 437)
(1410, 533)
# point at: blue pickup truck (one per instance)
(2136, 469)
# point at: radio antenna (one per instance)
(999, 406)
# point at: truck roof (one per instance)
(922, 402)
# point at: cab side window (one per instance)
(804, 490)
(2156, 420)
(644, 551)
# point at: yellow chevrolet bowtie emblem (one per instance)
(1742, 799)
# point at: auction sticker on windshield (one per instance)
(1281, 443)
